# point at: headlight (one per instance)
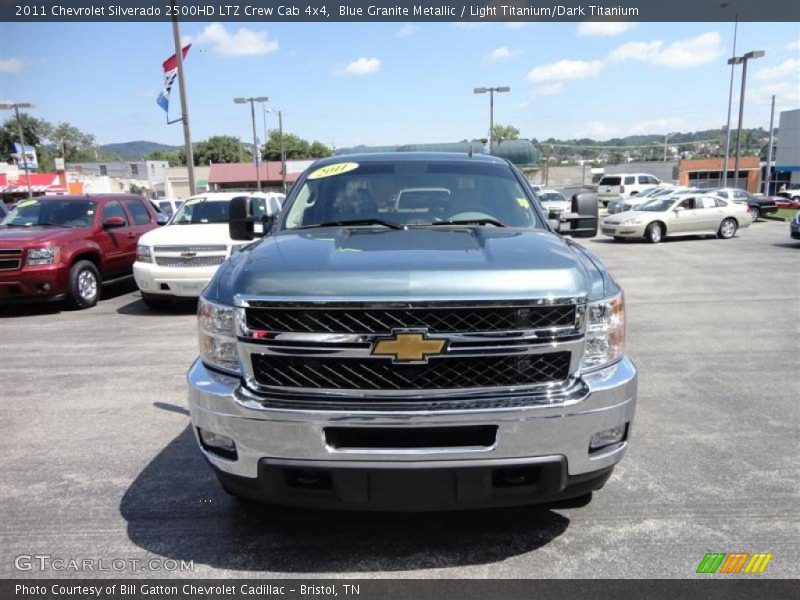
(632, 221)
(217, 329)
(605, 332)
(42, 256)
(144, 254)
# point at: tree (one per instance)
(505, 132)
(296, 147)
(219, 149)
(72, 143)
(175, 159)
(33, 130)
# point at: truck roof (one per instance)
(410, 156)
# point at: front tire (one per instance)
(727, 229)
(84, 284)
(754, 213)
(654, 233)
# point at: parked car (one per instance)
(782, 202)
(678, 215)
(68, 246)
(757, 205)
(553, 202)
(794, 227)
(622, 204)
(179, 259)
(168, 206)
(461, 357)
(792, 192)
(624, 185)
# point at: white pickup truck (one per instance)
(182, 257)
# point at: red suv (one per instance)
(67, 246)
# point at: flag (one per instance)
(170, 74)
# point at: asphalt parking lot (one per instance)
(97, 459)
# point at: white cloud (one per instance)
(516, 24)
(636, 51)
(146, 93)
(787, 95)
(691, 52)
(795, 45)
(242, 42)
(605, 28)
(360, 66)
(11, 65)
(523, 104)
(501, 53)
(787, 68)
(407, 30)
(660, 125)
(596, 129)
(566, 69)
(549, 89)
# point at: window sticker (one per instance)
(331, 170)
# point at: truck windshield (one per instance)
(52, 212)
(199, 211)
(411, 193)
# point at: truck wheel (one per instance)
(84, 284)
(727, 229)
(156, 300)
(754, 213)
(654, 233)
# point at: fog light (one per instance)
(217, 443)
(607, 437)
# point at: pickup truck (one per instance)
(461, 355)
(52, 247)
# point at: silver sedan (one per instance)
(677, 216)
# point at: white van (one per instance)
(624, 185)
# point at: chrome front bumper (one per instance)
(220, 404)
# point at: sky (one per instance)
(376, 84)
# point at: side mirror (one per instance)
(584, 218)
(678, 209)
(242, 223)
(555, 224)
(162, 219)
(112, 222)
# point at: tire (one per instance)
(654, 233)
(727, 229)
(754, 213)
(156, 300)
(84, 284)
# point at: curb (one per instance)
(780, 219)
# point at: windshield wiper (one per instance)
(48, 224)
(353, 223)
(479, 221)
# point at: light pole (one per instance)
(15, 107)
(666, 139)
(769, 148)
(256, 150)
(730, 100)
(735, 61)
(491, 90)
(283, 146)
(187, 136)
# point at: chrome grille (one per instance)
(209, 248)
(435, 320)
(10, 259)
(334, 373)
(195, 261)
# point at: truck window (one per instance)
(113, 209)
(138, 211)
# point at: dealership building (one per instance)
(787, 155)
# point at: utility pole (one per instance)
(187, 136)
(730, 103)
(666, 139)
(769, 148)
(283, 145)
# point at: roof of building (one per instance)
(270, 172)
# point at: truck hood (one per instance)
(16, 237)
(354, 264)
(180, 235)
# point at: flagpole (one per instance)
(187, 137)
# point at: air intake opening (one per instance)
(342, 438)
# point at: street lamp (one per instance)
(15, 107)
(491, 90)
(730, 98)
(735, 61)
(667, 138)
(283, 147)
(256, 150)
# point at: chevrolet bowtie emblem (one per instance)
(408, 347)
(188, 254)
